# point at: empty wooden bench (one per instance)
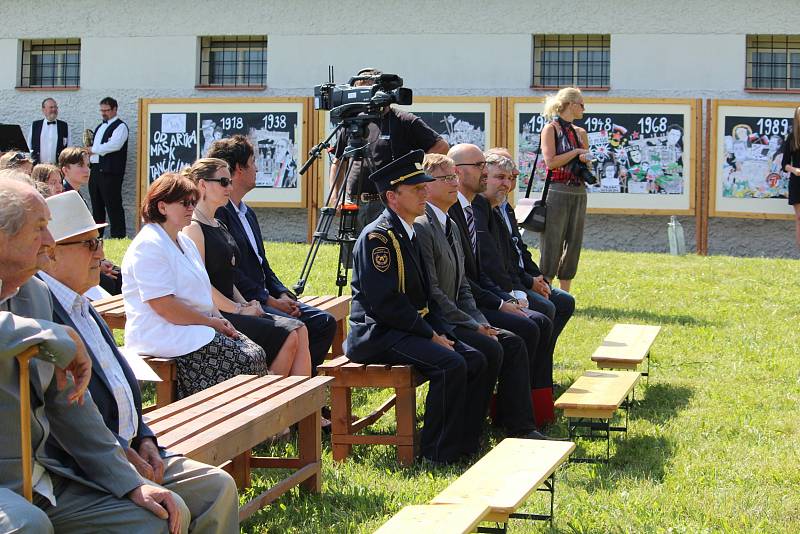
(221, 425)
(344, 431)
(112, 310)
(591, 402)
(507, 476)
(626, 346)
(436, 519)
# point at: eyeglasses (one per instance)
(224, 181)
(93, 243)
(19, 156)
(105, 110)
(188, 202)
(447, 178)
(480, 164)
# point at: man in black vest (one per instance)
(109, 154)
(49, 136)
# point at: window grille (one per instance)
(581, 60)
(233, 61)
(50, 63)
(773, 62)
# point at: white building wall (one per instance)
(149, 49)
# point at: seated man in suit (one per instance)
(393, 320)
(254, 277)
(557, 304)
(106, 494)
(209, 493)
(443, 257)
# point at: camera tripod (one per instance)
(356, 128)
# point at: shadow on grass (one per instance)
(642, 457)
(639, 316)
(661, 402)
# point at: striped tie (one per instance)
(473, 237)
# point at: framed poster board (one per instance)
(175, 132)
(747, 178)
(644, 150)
(457, 119)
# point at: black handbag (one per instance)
(537, 218)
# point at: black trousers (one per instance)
(105, 192)
(558, 308)
(321, 329)
(535, 330)
(450, 427)
(514, 409)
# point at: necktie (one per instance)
(448, 231)
(473, 237)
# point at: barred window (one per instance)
(773, 62)
(582, 60)
(233, 61)
(50, 63)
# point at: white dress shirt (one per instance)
(241, 211)
(409, 228)
(154, 267)
(440, 216)
(47, 142)
(77, 307)
(114, 142)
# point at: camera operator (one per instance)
(566, 158)
(398, 133)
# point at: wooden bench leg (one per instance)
(166, 392)
(406, 412)
(310, 445)
(338, 338)
(341, 411)
(239, 469)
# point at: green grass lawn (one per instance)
(712, 444)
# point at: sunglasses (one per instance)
(447, 178)
(188, 202)
(19, 156)
(224, 181)
(93, 243)
(581, 104)
(480, 164)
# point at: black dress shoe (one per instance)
(533, 434)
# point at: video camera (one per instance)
(347, 100)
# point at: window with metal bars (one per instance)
(773, 62)
(581, 60)
(50, 63)
(233, 61)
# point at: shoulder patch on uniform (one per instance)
(381, 259)
(379, 236)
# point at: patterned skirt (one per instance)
(219, 360)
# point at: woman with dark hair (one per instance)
(285, 340)
(791, 164)
(50, 177)
(168, 304)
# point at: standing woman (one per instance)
(167, 295)
(562, 146)
(285, 340)
(791, 164)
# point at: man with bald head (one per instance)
(107, 494)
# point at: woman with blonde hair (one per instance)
(791, 164)
(285, 340)
(563, 146)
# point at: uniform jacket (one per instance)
(79, 429)
(390, 291)
(445, 266)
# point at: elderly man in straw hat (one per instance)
(209, 493)
(107, 495)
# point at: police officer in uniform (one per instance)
(392, 320)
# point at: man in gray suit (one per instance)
(443, 256)
(110, 496)
(209, 492)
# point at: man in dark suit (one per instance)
(108, 156)
(501, 308)
(443, 257)
(394, 321)
(255, 279)
(49, 136)
(209, 493)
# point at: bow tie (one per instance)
(105, 122)
(51, 122)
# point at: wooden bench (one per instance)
(507, 476)
(112, 310)
(221, 425)
(626, 346)
(404, 379)
(591, 402)
(436, 519)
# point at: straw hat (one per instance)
(69, 216)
